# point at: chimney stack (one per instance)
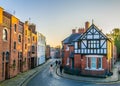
(73, 31)
(81, 30)
(87, 25)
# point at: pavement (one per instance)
(21, 78)
(25, 77)
(111, 79)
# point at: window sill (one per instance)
(94, 69)
(19, 42)
(14, 50)
(5, 40)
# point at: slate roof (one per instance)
(70, 38)
(76, 39)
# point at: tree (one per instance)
(117, 43)
(115, 35)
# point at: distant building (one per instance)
(57, 52)
(32, 47)
(48, 52)
(90, 52)
(41, 46)
(25, 46)
(52, 52)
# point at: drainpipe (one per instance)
(10, 46)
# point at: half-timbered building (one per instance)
(92, 53)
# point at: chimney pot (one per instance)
(73, 31)
(81, 30)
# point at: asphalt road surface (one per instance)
(44, 78)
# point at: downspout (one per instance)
(10, 45)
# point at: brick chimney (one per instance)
(87, 25)
(81, 30)
(73, 31)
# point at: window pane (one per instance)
(76, 45)
(93, 63)
(99, 63)
(4, 34)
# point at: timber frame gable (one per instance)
(92, 42)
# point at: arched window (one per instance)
(7, 56)
(4, 34)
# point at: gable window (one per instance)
(14, 45)
(93, 44)
(4, 34)
(19, 38)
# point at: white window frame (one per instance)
(76, 45)
(5, 34)
(96, 57)
(67, 48)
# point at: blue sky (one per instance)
(56, 18)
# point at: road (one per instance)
(45, 79)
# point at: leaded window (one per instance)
(93, 43)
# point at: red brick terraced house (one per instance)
(18, 45)
(32, 47)
(11, 45)
(5, 26)
(91, 52)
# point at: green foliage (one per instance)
(116, 36)
(117, 43)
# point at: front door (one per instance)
(32, 63)
(20, 65)
(6, 70)
(72, 63)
